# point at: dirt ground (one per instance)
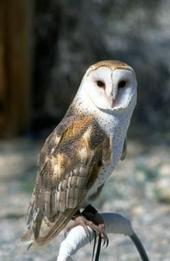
(138, 189)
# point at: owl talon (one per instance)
(105, 240)
(90, 218)
(79, 221)
(95, 222)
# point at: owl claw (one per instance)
(79, 221)
(90, 218)
(105, 240)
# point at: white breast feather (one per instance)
(114, 125)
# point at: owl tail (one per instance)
(34, 225)
(60, 222)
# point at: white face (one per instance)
(110, 89)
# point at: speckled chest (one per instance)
(116, 129)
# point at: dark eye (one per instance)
(100, 84)
(122, 84)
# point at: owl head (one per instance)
(109, 85)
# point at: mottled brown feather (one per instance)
(112, 64)
(70, 161)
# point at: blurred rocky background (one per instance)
(45, 48)
(71, 35)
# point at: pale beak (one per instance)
(113, 103)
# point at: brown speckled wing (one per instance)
(70, 161)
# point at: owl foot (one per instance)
(95, 222)
(89, 217)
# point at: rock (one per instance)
(162, 190)
(164, 170)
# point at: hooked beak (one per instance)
(113, 103)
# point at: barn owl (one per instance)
(83, 150)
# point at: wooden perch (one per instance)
(115, 224)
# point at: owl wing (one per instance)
(70, 161)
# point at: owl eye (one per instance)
(100, 84)
(122, 84)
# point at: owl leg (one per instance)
(89, 217)
(95, 221)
